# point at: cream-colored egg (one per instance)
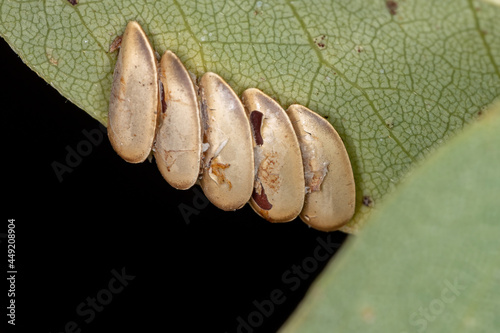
(177, 146)
(330, 189)
(278, 194)
(133, 104)
(227, 165)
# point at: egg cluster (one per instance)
(250, 150)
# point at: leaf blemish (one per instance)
(115, 44)
(368, 315)
(367, 201)
(320, 41)
(50, 56)
(53, 61)
(392, 6)
(73, 2)
(389, 122)
(258, 9)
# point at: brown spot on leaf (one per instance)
(367, 201)
(392, 6)
(115, 44)
(52, 56)
(73, 2)
(389, 122)
(368, 314)
(54, 61)
(320, 41)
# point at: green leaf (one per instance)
(394, 78)
(429, 259)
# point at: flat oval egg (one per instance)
(134, 97)
(330, 189)
(278, 194)
(177, 146)
(227, 166)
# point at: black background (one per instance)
(110, 215)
